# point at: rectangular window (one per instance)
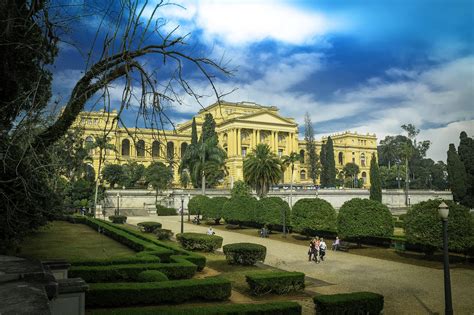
(280, 153)
(244, 151)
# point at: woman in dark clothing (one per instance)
(311, 250)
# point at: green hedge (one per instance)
(199, 241)
(151, 276)
(118, 219)
(197, 204)
(213, 208)
(135, 259)
(149, 226)
(239, 210)
(244, 253)
(270, 211)
(350, 303)
(153, 293)
(163, 234)
(271, 308)
(275, 282)
(162, 210)
(312, 215)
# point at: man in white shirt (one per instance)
(210, 231)
(322, 249)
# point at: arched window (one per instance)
(126, 147)
(155, 149)
(303, 175)
(140, 148)
(184, 146)
(341, 158)
(302, 156)
(89, 172)
(364, 177)
(89, 144)
(170, 150)
(225, 139)
(362, 159)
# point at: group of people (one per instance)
(317, 250)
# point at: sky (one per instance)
(365, 66)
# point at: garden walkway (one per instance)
(408, 289)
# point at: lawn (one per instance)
(69, 241)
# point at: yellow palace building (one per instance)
(240, 127)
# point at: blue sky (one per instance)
(366, 66)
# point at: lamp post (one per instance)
(118, 204)
(182, 212)
(189, 213)
(443, 212)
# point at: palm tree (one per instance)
(262, 168)
(351, 169)
(290, 160)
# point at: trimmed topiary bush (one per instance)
(244, 253)
(149, 227)
(270, 211)
(163, 234)
(213, 208)
(162, 210)
(118, 219)
(275, 282)
(424, 227)
(310, 216)
(359, 218)
(151, 276)
(350, 303)
(200, 242)
(239, 210)
(197, 204)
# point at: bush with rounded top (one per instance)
(424, 227)
(197, 204)
(149, 226)
(239, 210)
(162, 210)
(163, 234)
(364, 218)
(270, 211)
(118, 219)
(152, 276)
(244, 253)
(200, 242)
(213, 208)
(310, 215)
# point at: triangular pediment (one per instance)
(266, 117)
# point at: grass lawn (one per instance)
(69, 241)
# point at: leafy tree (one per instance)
(132, 173)
(313, 159)
(466, 155)
(360, 218)
(310, 215)
(351, 170)
(270, 212)
(184, 178)
(456, 174)
(194, 137)
(239, 210)
(375, 182)
(240, 189)
(262, 168)
(213, 208)
(330, 164)
(198, 204)
(424, 227)
(208, 128)
(80, 193)
(322, 156)
(113, 173)
(159, 176)
(388, 151)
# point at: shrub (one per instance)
(213, 208)
(272, 308)
(360, 218)
(402, 217)
(232, 227)
(118, 219)
(163, 234)
(152, 293)
(424, 227)
(350, 303)
(399, 224)
(197, 204)
(198, 241)
(149, 227)
(244, 253)
(162, 210)
(310, 216)
(135, 259)
(151, 276)
(275, 282)
(239, 210)
(270, 211)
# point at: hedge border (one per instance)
(275, 282)
(349, 303)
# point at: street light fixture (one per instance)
(182, 213)
(118, 204)
(443, 212)
(189, 213)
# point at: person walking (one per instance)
(311, 250)
(322, 249)
(335, 245)
(317, 257)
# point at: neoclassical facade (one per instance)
(240, 127)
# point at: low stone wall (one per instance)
(139, 202)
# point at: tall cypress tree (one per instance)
(456, 174)
(466, 155)
(375, 181)
(208, 128)
(194, 136)
(331, 164)
(322, 156)
(313, 159)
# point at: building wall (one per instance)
(240, 127)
